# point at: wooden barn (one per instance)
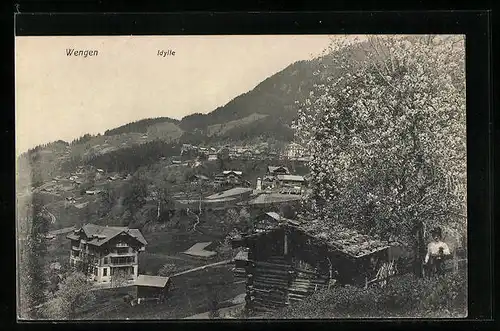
(286, 262)
(151, 288)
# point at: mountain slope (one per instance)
(140, 126)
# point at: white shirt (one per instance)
(433, 249)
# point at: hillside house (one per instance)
(290, 184)
(198, 178)
(270, 180)
(92, 192)
(105, 252)
(294, 150)
(287, 261)
(212, 157)
(277, 170)
(229, 177)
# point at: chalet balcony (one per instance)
(122, 245)
(76, 248)
(114, 254)
(122, 261)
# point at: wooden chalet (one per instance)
(151, 288)
(229, 177)
(277, 170)
(286, 262)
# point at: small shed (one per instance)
(151, 288)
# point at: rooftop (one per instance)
(229, 193)
(346, 240)
(198, 249)
(102, 234)
(274, 168)
(294, 178)
(227, 172)
(268, 198)
(152, 281)
(338, 238)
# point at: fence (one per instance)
(389, 271)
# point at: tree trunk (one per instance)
(419, 250)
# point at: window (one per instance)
(105, 271)
(95, 271)
(105, 260)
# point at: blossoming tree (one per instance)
(387, 130)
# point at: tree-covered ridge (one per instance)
(275, 96)
(140, 126)
(131, 158)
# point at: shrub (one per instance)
(404, 296)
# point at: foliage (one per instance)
(132, 158)
(167, 269)
(404, 296)
(119, 279)
(213, 300)
(83, 139)
(387, 134)
(32, 229)
(74, 292)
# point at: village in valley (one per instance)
(292, 209)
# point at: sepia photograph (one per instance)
(236, 177)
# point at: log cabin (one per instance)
(288, 261)
(151, 288)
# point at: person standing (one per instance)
(437, 252)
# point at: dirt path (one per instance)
(52, 217)
(202, 267)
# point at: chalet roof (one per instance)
(274, 168)
(294, 178)
(277, 216)
(242, 256)
(102, 234)
(198, 249)
(227, 172)
(268, 198)
(347, 241)
(151, 281)
(203, 177)
(230, 193)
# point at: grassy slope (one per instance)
(218, 129)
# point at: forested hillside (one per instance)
(140, 126)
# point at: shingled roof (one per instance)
(102, 234)
(348, 241)
(230, 193)
(265, 198)
(151, 281)
(272, 169)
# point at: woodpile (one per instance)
(273, 284)
(267, 284)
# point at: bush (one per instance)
(404, 296)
